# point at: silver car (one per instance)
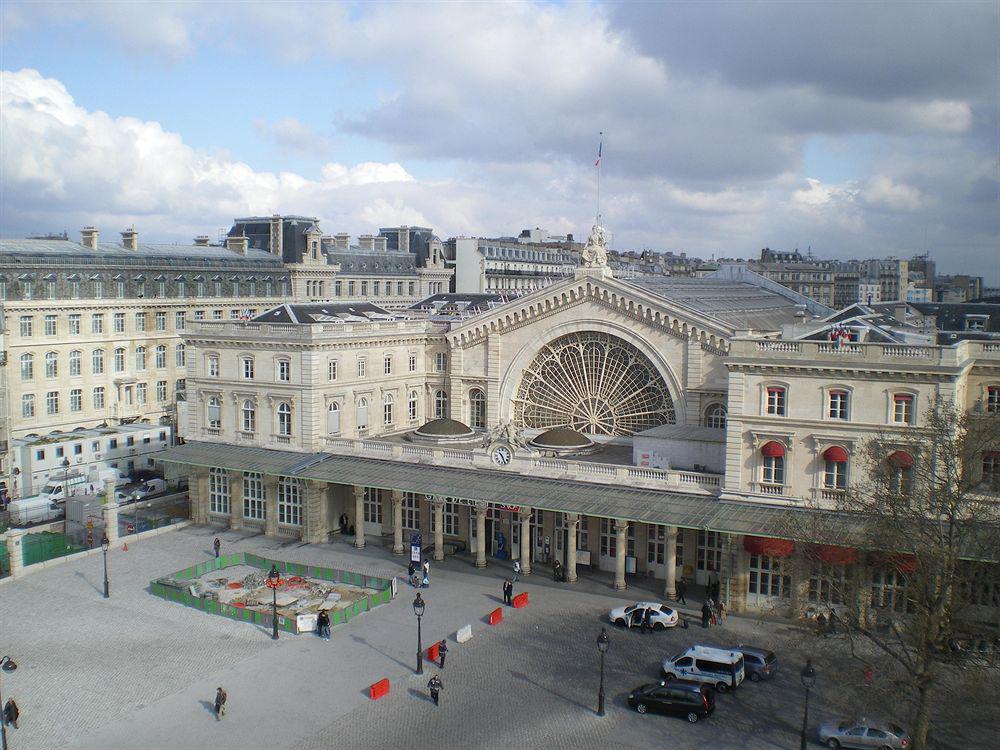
(864, 733)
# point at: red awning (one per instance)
(773, 449)
(902, 562)
(759, 545)
(835, 555)
(835, 453)
(900, 460)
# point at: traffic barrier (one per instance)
(433, 652)
(125, 547)
(521, 600)
(379, 689)
(496, 616)
(463, 634)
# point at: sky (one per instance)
(852, 129)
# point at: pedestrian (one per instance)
(344, 521)
(706, 614)
(821, 625)
(323, 624)
(831, 624)
(508, 592)
(410, 570)
(556, 571)
(11, 712)
(517, 569)
(435, 686)
(646, 621)
(869, 674)
(681, 590)
(427, 573)
(722, 612)
(713, 583)
(220, 703)
(217, 545)
(442, 652)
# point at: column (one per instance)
(621, 550)
(481, 535)
(525, 535)
(437, 505)
(316, 529)
(14, 551)
(359, 517)
(271, 503)
(397, 522)
(670, 580)
(198, 494)
(572, 522)
(111, 521)
(236, 500)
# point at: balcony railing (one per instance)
(954, 355)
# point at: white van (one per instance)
(717, 667)
(32, 510)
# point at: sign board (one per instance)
(583, 557)
(629, 564)
(90, 524)
(305, 623)
(415, 553)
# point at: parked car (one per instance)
(149, 488)
(676, 697)
(720, 668)
(758, 663)
(864, 733)
(34, 510)
(631, 616)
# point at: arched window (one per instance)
(97, 361)
(477, 409)
(75, 358)
(120, 359)
(284, 419)
(362, 414)
(161, 357)
(51, 364)
(140, 358)
(333, 418)
(440, 404)
(248, 416)
(835, 471)
(179, 358)
(27, 366)
(387, 403)
(773, 464)
(411, 406)
(901, 472)
(715, 416)
(254, 504)
(219, 495)
(289, 501)
(213, 415)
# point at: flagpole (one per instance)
(600, 151)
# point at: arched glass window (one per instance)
(290, 501)
(412, 406)
(51, 364)
(440, 404)
(387, 402)
(248, 416)
(477, 409)
(179, 358)
(254, 504)
(97, 361)
(161, 356)
(75, 357)
(333, 418)
(284, 419)
(835, 468)
(362, 415)
(120, 359)
(715, 416)
(213, 415)
(219, 495)
(140, 358)
(27, 366)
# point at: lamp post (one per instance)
(602, 646)
(418, 610)
(808, 676)
(65, 465)
(7, 665)
(273, 581)
(105, 546)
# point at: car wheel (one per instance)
(641, 708)
(722, 687)
(692, 717)
(832, 742)
(669, 676)
(620, 622)
(754, 677)
(885, 747)
(658, 626)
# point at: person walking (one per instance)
(344, 521)
(410, 570)
(442, 651)
(681, 590)
(323, 624)
(11, 713)
(647, 621)
(706, 614)
(556, 571)
(427, 573)
(831, 622)
(435, 686)
(217, 545)
(517, 569)
(821, 625)
(721, 612)
(508, 593)
(220, 703)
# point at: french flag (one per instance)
(600, 147)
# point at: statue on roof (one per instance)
(595, 252)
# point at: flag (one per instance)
(600, 147)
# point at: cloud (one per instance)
(882, 192)
(293, 136)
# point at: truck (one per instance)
(149, 488)
(32, 510)
(92, 483)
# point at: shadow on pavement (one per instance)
(90, 583)
(210, 707)
(522, 676)
(359, 639)
(419, 695)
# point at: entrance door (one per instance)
(769, 584)
(709, 555)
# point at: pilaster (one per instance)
(480, 511)
(670, 577)
(397, 522)
(525, 536)
(359, 517)
(271, 503)
(236, 501)
(621, 551)
(572, 523)
(437, 505)
(317, 527)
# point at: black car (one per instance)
(692, 700)
(759, 663)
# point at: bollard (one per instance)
(379, 689)
(496, 616)
(521, 600)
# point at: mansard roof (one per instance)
(146, 253)
(326, 312)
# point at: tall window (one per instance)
(889, 591)
(290, 501)
(161, 391)
(97, 361)
(179, 319)
(333, 418)
(835, 475)
(76, 399)
(248, 416)
(362, 366)
(331, 370)
(161, 357)
(214, 415)
(715, 417)
(140, 358)
(411, 511)
(440, 404)
(993, 399)
(609, 539)
(776, 401)
(180, 359)
(413, 362)
(247, 368)
(773, 470)
(219, 495)
(75, 358)
(411, 406)
(52, 402)
(140, 321)
(449, 516)
(284, 419)
(97, 323)
(119, 360)
(477, 409)
(838, 405)
(709, 550)
(768, 577)
(74, 324)
(28, 405)
(27, 367)
(50, 325)
(118, 322)
(284, 371)
(254, 504)
(902, 408)
(387, 364)
(387, 404)
(656, 544)
(827, 583)
(99, 397)
(25, 326)
(362, 413)
(373, 505)
(991, 469)
(440, 361)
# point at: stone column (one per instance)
(198, 493)
(572, 522)
(14, 551)
(670, 579)
(437, 506)
(359, 517)
(236, 500)
(111, 521)
(481, 535)
(621, 550)
(316, 529)
(397, 522)
(270, 505)
(525, 536)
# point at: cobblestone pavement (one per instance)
(136, 671)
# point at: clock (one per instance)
(501, 455)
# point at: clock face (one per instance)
(501, 455)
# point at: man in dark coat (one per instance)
(435, 686)
(508, 592)
(442, 652)
(344, 521)
(681, 590)
(706, 614)
(646, 620)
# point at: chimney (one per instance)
(237, 244)
(404, 239)
(130, 239)
(88, 237)
(366, 242)
(201, 241)
(381, 243)
(342, 241)
(899, 313)
(277, 246)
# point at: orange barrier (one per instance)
(433, 653)
(521, 600)
(379, 689)
(496, 616)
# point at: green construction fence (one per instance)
(46, 545)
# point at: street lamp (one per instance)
(273, 581)
(105, 546)
(65, 465)
(808, 676)
(602, 646)
(418, 610)
(7, 665)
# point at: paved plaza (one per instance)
(137, 671)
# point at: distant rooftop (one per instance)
(326, 312)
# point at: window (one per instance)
(827, 583)
(776, 401)
(609, 538)
(338, 289)
(27, 289)
(25, 325)
(993, 399)
(50, 325)
(709, 550)
(74, 289)
(98, 289)
(413, 362)
(51, 365)
(410, 288)
(213, 415)
(254, 503)
(248, 416)
(362, 367)
(289, 501)
(75, 357)
(247, 368)
(773, 470)
(161, 391)
(216, 314)
(39, 455)
(217, 286)
(768, 577)
(179, 320)
(715, 417)
(902, 408)
(284, 419)
(179, 358)
(78, 449)
(98, 395)
(387, 365)
(477, 409)
(118, 322)
(991, 469)
(119, 360)
(399, 288)
(27, 367)
(333, 418)
(76, 399)
(838, 405)
(161, 357)
(387, 403)
(449, 516)
(74, 324)
(835, 474)
(161, 320)
(440, 404)
(97, 361)
(219, 495)
(441, 362)
(362, 414)
(331, 370)
(52, 402)
(28, 405)
(889, 591)
(373, 505)
(656, 544)
(179, 385)
(376, 288)
(140, 358)
(284, 371)
(412, 406)
(97, 323)
(350, 288)
(161, 289)
(411, 511)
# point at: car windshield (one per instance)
(771, 657)
(897, 730)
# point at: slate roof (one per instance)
(146, 252)
(326, 312)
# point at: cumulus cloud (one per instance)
(294, 136)
(883, 192)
